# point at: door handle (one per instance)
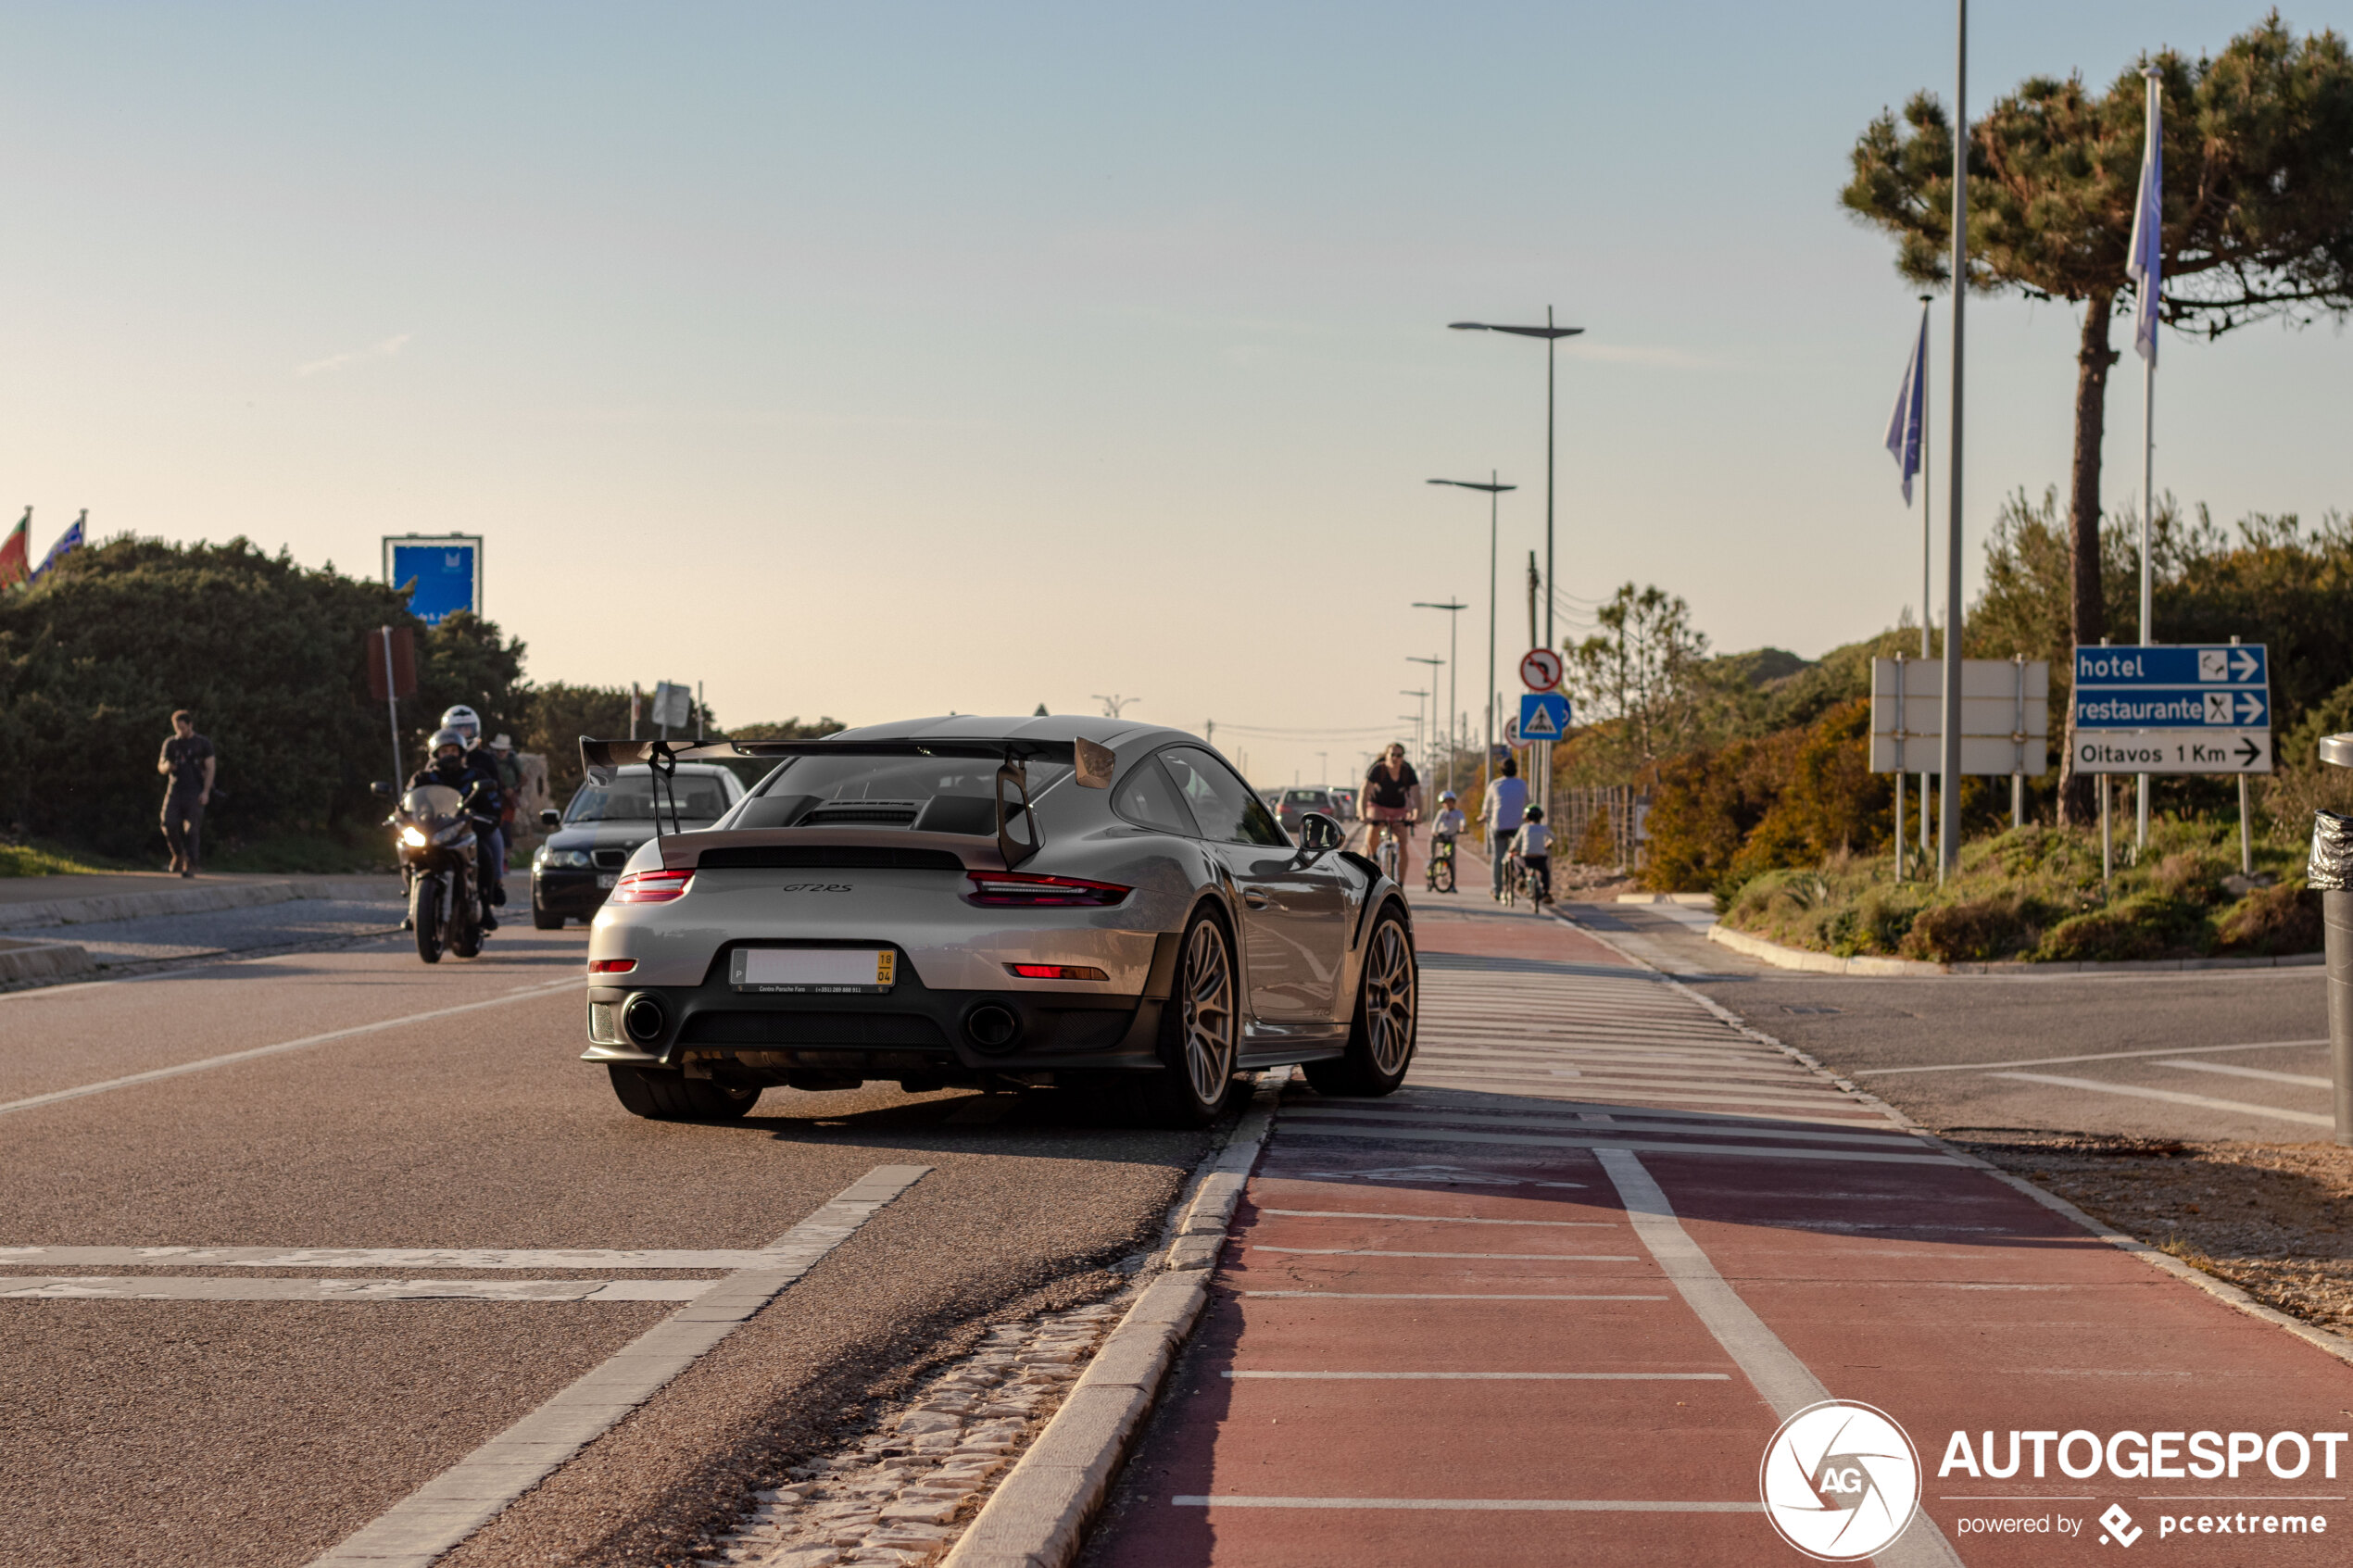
(1254, 898)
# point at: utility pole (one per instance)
(1948, 848)
(1453, 648)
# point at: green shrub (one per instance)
(2271, 922)
(1979, 931)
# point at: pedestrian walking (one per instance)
(1500, 806)
(187, 764)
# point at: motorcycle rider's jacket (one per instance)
(478, 790)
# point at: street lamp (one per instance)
(1454, 649)
(1551, 334)
(1486, 758)
(1418, 699)
(1430, 743)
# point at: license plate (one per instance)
(852, 969)
(606, 879)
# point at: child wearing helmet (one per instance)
(1534, 844)
(1449, 821)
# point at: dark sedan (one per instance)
(573, 873)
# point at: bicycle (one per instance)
(1439, 876)
(1515, 873)
(1387, 853)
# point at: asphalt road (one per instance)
(169, 1432)
(2199, 1054)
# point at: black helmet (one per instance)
(445, 737)
(1533, 814)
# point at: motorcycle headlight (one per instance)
(412, 838)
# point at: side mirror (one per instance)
(1319, 834)
(550, 818)
(382, 788)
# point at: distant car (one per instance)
(1074, 902)
(1344, 802)
(573, 873)
(1293, 807)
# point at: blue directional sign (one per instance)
(2171, 707)
(2188, 708)
(443, 573)
(2230, 664)
(1543, 716)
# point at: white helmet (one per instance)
(465, 721)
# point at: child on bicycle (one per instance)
(1448, 822)
(1533, 845)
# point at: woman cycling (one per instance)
(1392, 800)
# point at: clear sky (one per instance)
(883, 359)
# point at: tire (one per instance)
(425, 909)
(1200, 1031)
(660, 1094)
(542, 921)
(1382, 1039)
(1443, 876)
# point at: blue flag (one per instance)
(1907, 426)
(2148, 222)
(69, 541)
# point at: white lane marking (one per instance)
(1592, 1088)
(1431, 1219)
(1758, 1151)
(1540, 1122)
(210, 1063)
(468, 1495)
(2098, 1056)
(1434, 1296)
(1378, 1252)
(1497, 1377)
(2303, 1080)
(2135, 1091)
(1787, 1383)
(214, 1287)
(396, 1257)
(1475, 1505)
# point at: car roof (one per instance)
(1117, 733)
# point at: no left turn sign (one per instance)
(1541, 669)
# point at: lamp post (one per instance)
(1487, 757)
(1541, 754)
(1454, 649)
(1420, 698)
(1430, 741)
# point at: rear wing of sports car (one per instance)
(1091, 764)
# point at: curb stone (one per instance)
(1783, 957)
(1038, 1514)
(35, 960)
(2326, 1340)
(190, 901)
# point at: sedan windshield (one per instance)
(631, 799)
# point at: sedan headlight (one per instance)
(563, 859)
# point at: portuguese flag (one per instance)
(16, 556)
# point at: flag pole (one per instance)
(2147, 311)
(1928, 492)
(1948, 848)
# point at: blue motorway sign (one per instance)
(2189, 664)
(2171, 707)
(1543, 716)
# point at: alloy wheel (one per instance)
(1208, 1014)
(1388, 999)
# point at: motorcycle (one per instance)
(435, 836)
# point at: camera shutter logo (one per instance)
(1839, 1480)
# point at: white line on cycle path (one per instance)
(208, 1063)
(2096, 1056)
(468, 1495)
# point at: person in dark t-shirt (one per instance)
(187, 764)
(1392, 800)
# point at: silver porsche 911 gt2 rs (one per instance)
(994, 903)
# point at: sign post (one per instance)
(2004, 725)
(442, 573)
(1541, 671)
(2183, 708)
(392, 674)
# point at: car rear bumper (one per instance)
(913, 1032)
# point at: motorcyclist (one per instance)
(493, 836)
(450, 769)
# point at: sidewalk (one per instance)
(1549, 1302)
(32, 901)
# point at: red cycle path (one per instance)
(1407, 1252)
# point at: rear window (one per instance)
(928, 793)
(701, 798)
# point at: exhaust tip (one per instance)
(645, 1019)
(991, 1026)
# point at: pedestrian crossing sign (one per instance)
(1543, 716)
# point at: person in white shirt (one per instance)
(1500, 811)
(1450, 819)
(1533, 845)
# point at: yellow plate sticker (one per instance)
(882, 967)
